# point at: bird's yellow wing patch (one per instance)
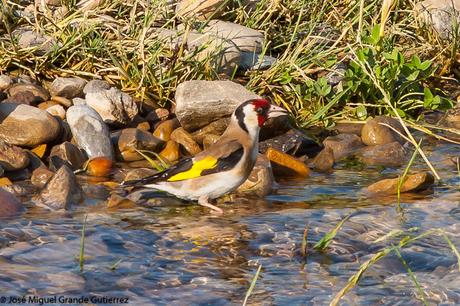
(208, 162)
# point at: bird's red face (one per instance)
(261, 107)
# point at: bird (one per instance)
(224, 166)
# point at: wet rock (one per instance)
(349, 128)
(12, 157)
(41, 176)
(374, 133)
(99, 166)
(217, 127)
(89, 131)
(139, 173)
(66, 154)
(114, 106)
(5, 81)
(132, 139)
(164, 129)
(412, 183)
(61, 192)
(38, 92)
(286, 165)
(41, 43)
(4, 181)
(198, 103)
(260, 181)
(117, 201)
(209, 140)
(25, 125)
(441, 14)
(387, 155)
(244, 38)
(24, 97)
(202, 9)
(183, 138)
(9, 204)
(56, 110)
(171, 151)
(294, 142)
(96, 86)
(342, 145)
(67, 87)
(324, 161)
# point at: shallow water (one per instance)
(178, 254)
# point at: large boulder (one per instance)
(199, 103)
(25, 125)
(440, 14)
(89, 131)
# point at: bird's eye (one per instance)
(259, 110)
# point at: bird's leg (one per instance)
(203, 201)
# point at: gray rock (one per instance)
(89, 130)
(133, 139)
(5, 81)
(66, 154)
(95, 86)
(25, 125)
(61, 192)
(387, 155)
(440, 14)
(255, 61)
(244, 38)
(9, 204)
(114, 106)
(199, 103)
(67, 87)
(43, 44)
(12, 157)
(78, 101)
(56, 110)
(293, 142)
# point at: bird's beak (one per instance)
(276, 111)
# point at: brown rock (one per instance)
(387, 155)
(139, 173)
(24, 97)
(4, 181)
(260, 181)
(412, 183)
(374, 133)
(9, 204)
(209, 140)
(171, 151)
(62, 101)
(67, 87)
(217, 127)
(132, 139)
(343, 145)
(38, 92)
(25, 125)
(184, 138)
(99, 166)
(12, 157)
(286, 165)
(66, 154)
(117, 201)
(61, 191)
(39, 150)
(164, 129)
(56, 111)
(201, 9)
(452, 118)
(349, 128)
(159, 114)
(324, 161)
(41, 176)
(143, 126)
(47, 104)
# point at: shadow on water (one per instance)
(171, 252)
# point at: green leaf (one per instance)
(361, 112)
(327, 238)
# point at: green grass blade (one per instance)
(251, 287)
(402, 179)
(327, 238)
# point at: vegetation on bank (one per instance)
(310, 38)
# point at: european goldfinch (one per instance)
(222, 167)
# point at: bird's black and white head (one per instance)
(252, 114)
